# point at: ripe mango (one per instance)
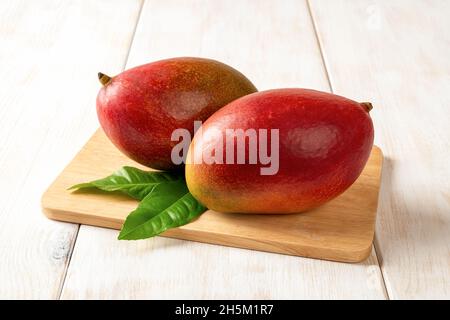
(141, 107)
(324, 142)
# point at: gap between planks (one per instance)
(74, 242)
(330, 84)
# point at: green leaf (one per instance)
(131, 181)
(169, 205)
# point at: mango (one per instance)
(141, 107)
(316, 145)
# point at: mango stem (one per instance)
(104, 79)
(367, 106)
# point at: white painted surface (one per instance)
(49, 54)
(396, 53)
(393, 53)
(161, 268)
(275, 48)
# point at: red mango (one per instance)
(324, 143)
(141, 107)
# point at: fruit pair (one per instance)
(323, 140)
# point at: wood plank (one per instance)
(163, 268)
(396, 54)
(50, 52)
(275, 48)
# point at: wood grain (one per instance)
(396, 53)
(274, 44)
(50, 52)
(341, 230)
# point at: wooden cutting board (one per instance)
(341, 230)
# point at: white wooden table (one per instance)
(393, 53)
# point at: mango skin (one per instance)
(139, 109)
(325, 142)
